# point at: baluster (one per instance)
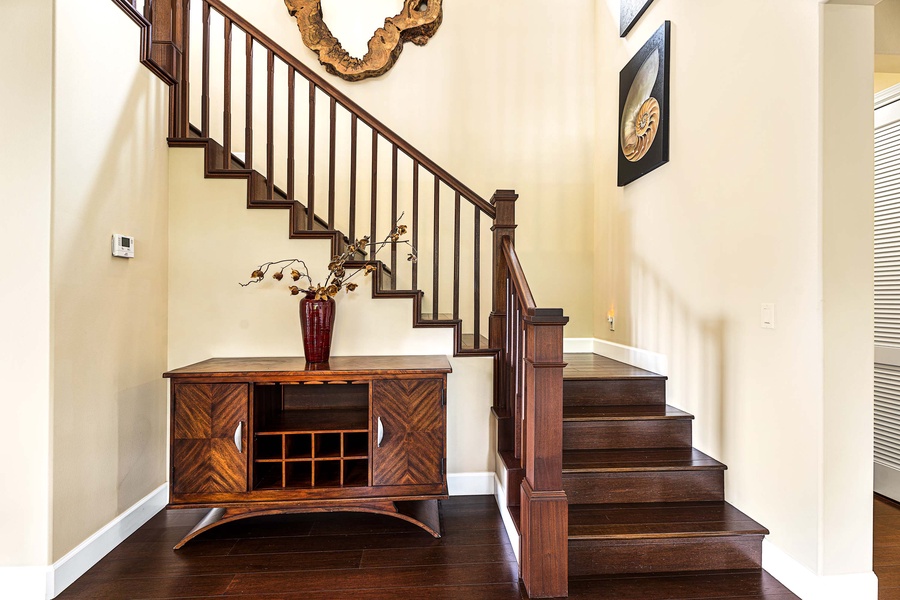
(311, 179)
(437, 248)
(270, 126)
(415, 224)
(520, 375)
(477, 299)
(332, 115)
(393, 215)
(226, 110)
(456, 232)
(374, 212)
(292, 75)
(204, 95)
(353, 130)
(507, 357)
(182, 125)
(248, 123)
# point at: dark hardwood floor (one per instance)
(886, 540)
(341, 556)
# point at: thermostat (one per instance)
(122, 245)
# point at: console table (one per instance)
(262, 436)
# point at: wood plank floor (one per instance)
(886, 542)
(343, 556)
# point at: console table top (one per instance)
(293, 365)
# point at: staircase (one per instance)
(603, 481)
(642, 501)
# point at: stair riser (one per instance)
(651, 486)
(607, 435)
(614, 392)
(609, 557)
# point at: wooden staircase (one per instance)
(642, 501)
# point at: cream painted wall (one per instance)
(215, 242)
(887, 34)
(109, 314)
(847, 239)
(526, 109)
(685, 256)
(885, 80)
(25, 241)
(887, 44)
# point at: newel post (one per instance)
(544, 512)
(504, 202)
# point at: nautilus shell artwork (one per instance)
(416, 22)
(644, 108)
(641, 113)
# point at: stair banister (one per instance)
(340, 98)
(534, 350)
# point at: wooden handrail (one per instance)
(517, 277)
(354, 108)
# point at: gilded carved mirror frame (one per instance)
(416, 23)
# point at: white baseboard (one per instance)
(643, 359)
(809, 586)
(578, 345)
(500, 485)
(887, 481)
(471, 484)
(41, 583)
(76, 563)
(26, 583)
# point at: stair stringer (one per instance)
(253, 180)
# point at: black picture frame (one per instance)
(630, 11)
(643, 133)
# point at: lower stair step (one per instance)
(639, 476)
(746, 585)
(658, 520)
(607, 427)
(588, 557)
(660, 538)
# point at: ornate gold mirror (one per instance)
(416, 22)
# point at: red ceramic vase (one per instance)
(316, 323)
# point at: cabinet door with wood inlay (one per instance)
(209, 435)
(409, 431)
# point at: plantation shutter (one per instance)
(887, 299)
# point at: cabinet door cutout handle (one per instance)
(239, 438)
(380, 432)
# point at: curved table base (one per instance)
(422, 513)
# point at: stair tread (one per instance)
(659, 520)
(623, 413)
(641, 459)
(596, 367)
(755, 584)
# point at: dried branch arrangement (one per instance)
(339, 277)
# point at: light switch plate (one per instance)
(767, 316)
(122, 246)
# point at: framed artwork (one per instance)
(644, 109)
(629, 13)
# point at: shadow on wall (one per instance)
(695, 347)
(111, 393)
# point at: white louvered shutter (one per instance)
(887, 300)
